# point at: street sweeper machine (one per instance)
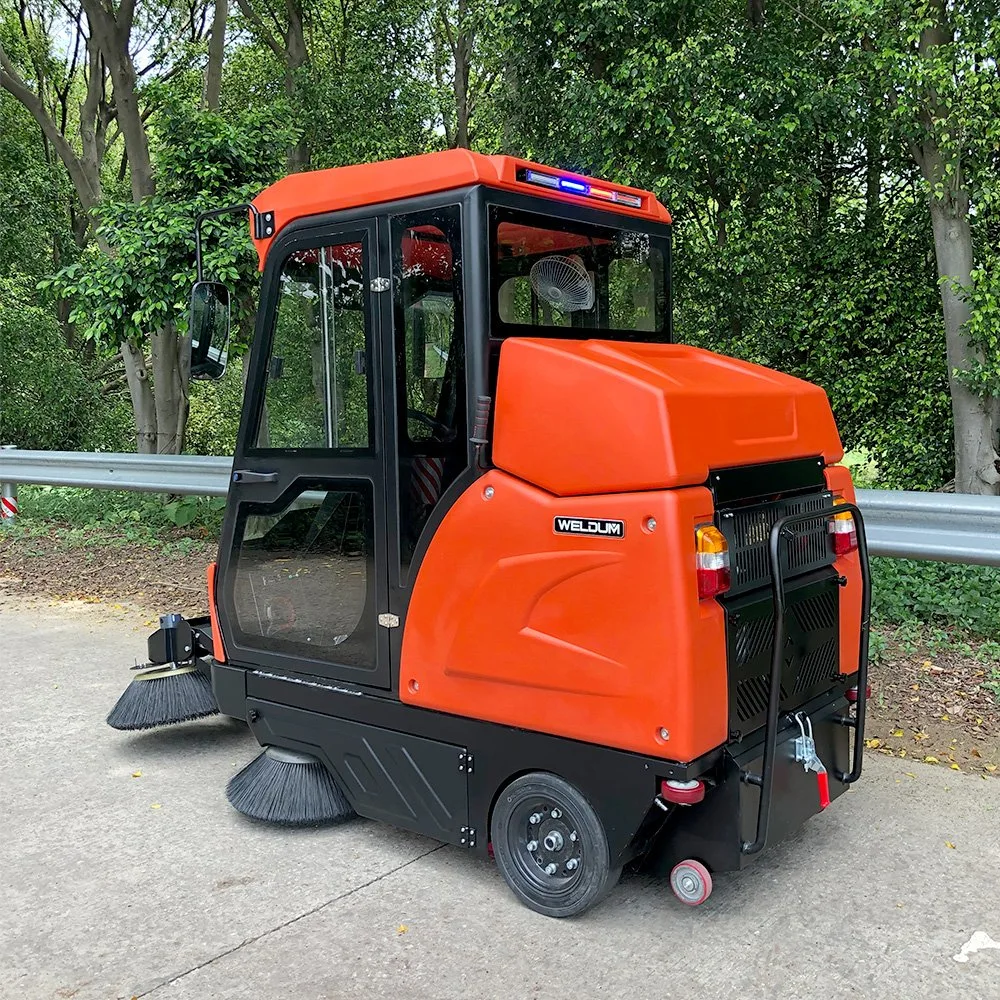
(502, 563)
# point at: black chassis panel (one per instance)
(327, 721)
(713, 831)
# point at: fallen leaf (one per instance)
(873, 744)
(137, 774)
(902, 751)
(955, 767)
(930, 760)
(914, 687)
(945, 718)
(975, 752)
(920, 736)
(927, 664)
(948, 843)
(909, 774)
(402, 929)
(897, 732)
(991, 767)
(155, 805)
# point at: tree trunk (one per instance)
(143, 404)
(976, 419)
(295, 58)
(463, 65)
(216, 53)
(171, 389)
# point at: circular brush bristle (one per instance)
(290, 789)
(163, 700)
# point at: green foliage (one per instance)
(203, 161)
(46, 399)
(118, 518)
(214, 419)
(944, 595)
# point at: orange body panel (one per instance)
(838, 479)
(218, 646)
(319, 191)
(593, 638)
(586, 417)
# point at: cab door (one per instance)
(302, 574)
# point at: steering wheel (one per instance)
(442, 431)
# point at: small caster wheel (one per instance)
(691, 882)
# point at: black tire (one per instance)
(547, 811)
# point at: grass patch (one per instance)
(944, 598)
(85, 517)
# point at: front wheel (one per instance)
(550, 846)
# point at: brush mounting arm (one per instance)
(178, 640)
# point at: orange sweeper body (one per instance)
(503, 563)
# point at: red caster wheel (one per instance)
(691, 882)
(683, 793)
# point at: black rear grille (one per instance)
(812, 648)
(748, 530)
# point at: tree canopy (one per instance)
(833, 171)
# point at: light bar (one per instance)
(571, 185)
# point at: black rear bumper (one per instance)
(715, 830)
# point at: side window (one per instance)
(317, 393)
(429, 344)
(305, 574)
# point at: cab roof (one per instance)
(319, 191)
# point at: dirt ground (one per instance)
(935, 707)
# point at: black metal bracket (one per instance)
(263, 226)
(178, 640)
(765, 781)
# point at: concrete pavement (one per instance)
(152, 886)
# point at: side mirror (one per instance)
(209, 329)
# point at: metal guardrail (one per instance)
(945, 527)
(194, 475)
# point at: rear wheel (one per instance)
(550, 846)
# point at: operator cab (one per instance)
(388, 291)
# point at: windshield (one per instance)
(550, 275)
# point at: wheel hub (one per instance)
(550, 844)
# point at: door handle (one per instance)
(247, 476)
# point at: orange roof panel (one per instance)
(319, 191)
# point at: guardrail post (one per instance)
(8, 495)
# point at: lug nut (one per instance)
(550, 869)
(572, 864)
(555, 814)
(535, 818)
(532, 846)
(572, 836)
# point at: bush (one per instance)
(214, 418)
(46, 399)
(945, 595)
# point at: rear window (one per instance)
(552, 275)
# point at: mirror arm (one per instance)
(263, 227)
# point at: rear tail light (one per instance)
(713, 561)
(843, 533)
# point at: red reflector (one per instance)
(824, 789)
(852, 693)
(713, 581)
